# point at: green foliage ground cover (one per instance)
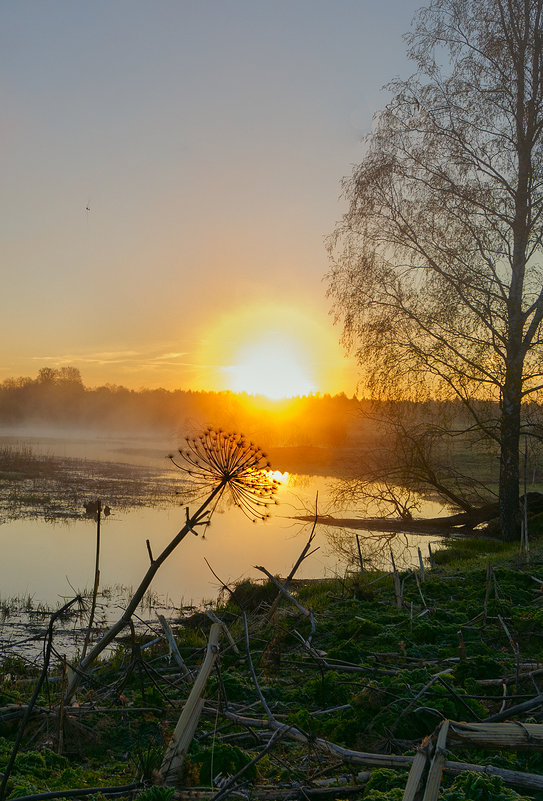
(369, 683)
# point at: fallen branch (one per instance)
(526, 706)
(173, 645)
(48, 646)
(509, 679)
(297, 792)
(516, 779)
(307, 612)
(304, 554)
(188, 720)
(263, 701)
(229, 786)
(435, 678)
(121, 789)
(214, 619)
(462, 521)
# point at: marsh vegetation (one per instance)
(329, 696)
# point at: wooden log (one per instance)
(82, 792)
(435, 773)
(516, 736)
(417, 770)
(188, 720)
(345, 754)
(274, 793)
(524, 782)
(433, 525)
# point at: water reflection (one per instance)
(277, 475)
(50, 561)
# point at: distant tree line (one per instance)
(59, 398)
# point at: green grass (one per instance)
(457, 633)
(466, 552)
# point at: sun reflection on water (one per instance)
(277, 475)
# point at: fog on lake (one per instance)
(51, 560)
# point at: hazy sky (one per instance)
(208, 139)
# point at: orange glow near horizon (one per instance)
(273, 350)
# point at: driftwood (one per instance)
(188, 720)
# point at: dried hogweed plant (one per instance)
(226, 462)
(215, 462)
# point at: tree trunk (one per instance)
(509, 458)
(511, 396)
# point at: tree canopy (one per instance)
(437, 269)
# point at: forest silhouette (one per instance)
(58, 399)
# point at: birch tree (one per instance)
(437, 270)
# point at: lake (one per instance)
(49, 561)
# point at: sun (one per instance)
(269, 348)
(273, 365)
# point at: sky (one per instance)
(170, 173)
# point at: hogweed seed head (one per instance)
(217, 458)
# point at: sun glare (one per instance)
(270, 349)
(273, 367)
(277, 475)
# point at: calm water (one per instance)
(48, 561)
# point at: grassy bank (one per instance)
(344, 666)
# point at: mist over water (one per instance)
(49, 561)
